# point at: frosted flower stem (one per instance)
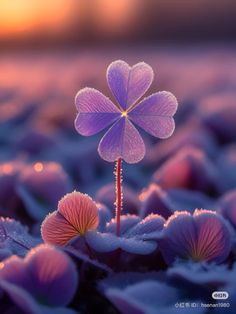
(119, 193)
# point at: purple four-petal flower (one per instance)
(154, 114)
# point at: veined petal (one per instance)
(95, 112)
(127, 83)
(214, 241)
(122, 140)
(56, 230)
(205, 237)
(80, 210)
(76, 214)
(155, 114)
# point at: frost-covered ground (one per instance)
(169, 263)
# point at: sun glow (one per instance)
(27, 17)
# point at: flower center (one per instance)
(124, 114)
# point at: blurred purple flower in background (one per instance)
(154, 114)
(191, 169)
(9, 175)
(40, 187)
(106, 195)
(203, 236)
(156, 200)
(218, 113)
(227, 207)
(43, 282)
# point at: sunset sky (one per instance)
(58, 20)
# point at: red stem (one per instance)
(119, 194)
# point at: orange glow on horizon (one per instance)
(27, 17)
(21, 19)
(115, 15)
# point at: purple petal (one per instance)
(107, 242)
(127, 83)
(214, 240)
(122, 140)
(204, 237)
(102, 242)
(150, 224)
(95, 112)
(155, 201)
(154, 114)
(137, 246)
(126, 222)
(53, 275)
(46, 273)
(178, 241)
(12, 266)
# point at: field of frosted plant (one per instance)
(178, 223)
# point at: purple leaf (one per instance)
(107, 242)
(126, 222)
(127, 83)
(151, 223)
(96, 112)
(122, 140)
(14, 238)
(154, 114)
